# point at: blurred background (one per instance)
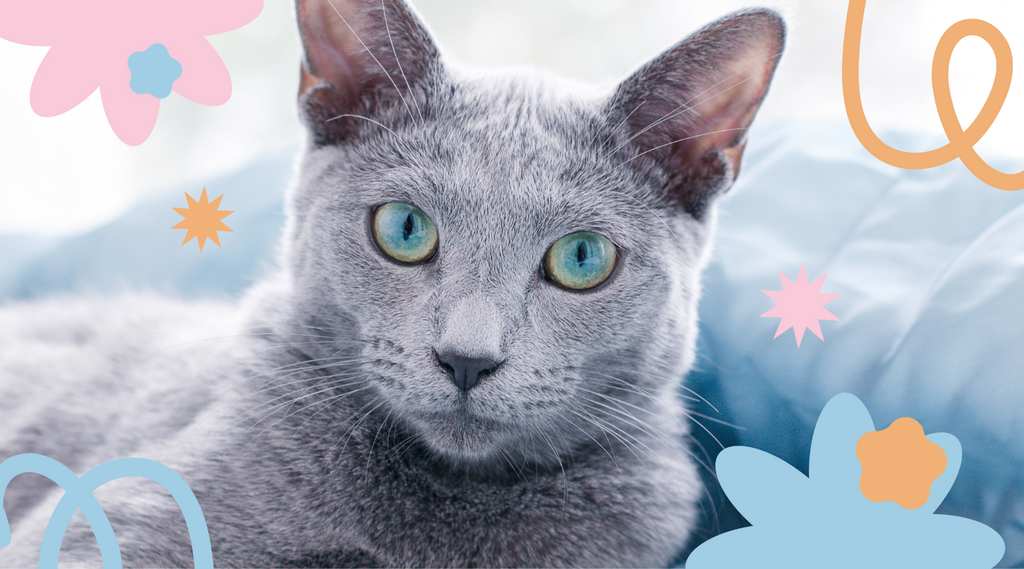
(67, 174)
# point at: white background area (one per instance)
(69, 173)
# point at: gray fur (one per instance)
(313, 420)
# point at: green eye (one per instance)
(580, 260)
(404, 232)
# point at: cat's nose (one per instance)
(465, 372)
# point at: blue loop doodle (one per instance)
(78, 496)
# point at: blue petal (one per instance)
(834, 468)
(765, 489)
(954, 455)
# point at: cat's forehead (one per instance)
(514, 106)
(511, 145)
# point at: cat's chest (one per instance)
(593, 514)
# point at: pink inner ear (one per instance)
(330, 46)
(725, 108)
(702, 94)
(356, 46)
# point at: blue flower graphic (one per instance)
(154, 71)
(824, 520)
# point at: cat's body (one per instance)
(321, 422)
(168, 395)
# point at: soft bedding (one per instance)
(930, 266)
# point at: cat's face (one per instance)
(506, 270)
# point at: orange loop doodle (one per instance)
(961, 142)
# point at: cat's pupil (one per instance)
(407, 229)
(582, 253)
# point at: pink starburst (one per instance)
(801, 305)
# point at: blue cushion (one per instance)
(139, 250)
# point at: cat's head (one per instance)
(512, 264)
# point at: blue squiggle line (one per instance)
(78, 496)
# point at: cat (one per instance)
(471, 353)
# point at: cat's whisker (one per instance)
(618, 126)
(679, 384)
(268, 379)
(314, 383)
(604, 427)
(290, 402)
(512, 465)
(346, 377)
(230, 386)
(625, 420)
(628, 419)
(561, 466)
(706, 430)
(692, 417)
(293, 369)
(623, 385)
(367, 119)
(289, 413)
(352, 429)
(403, 447)
(332, 382)
(369, 453)
(649, 150)
(585, 432)
(618, 402)
(323, 405)
(714, 420)
(328, 403)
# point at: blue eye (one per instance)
(404, 232)
(580, 260)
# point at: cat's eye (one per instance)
(580, 260)
(404, 233)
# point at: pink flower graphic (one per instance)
(800, 306)
(92, 41)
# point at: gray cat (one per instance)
(471, 354)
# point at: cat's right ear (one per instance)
(359, 56)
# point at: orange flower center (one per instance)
(899, 464)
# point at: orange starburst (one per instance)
(202, 219)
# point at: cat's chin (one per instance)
(463, 438)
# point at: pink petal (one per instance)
(132, 116)
(65, 78)
(28, 22)
(204, 77)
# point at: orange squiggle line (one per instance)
(961, 142)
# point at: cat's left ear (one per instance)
(688, 110)
(359, 57)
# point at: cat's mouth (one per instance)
(461, 433)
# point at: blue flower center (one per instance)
(154, 71)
